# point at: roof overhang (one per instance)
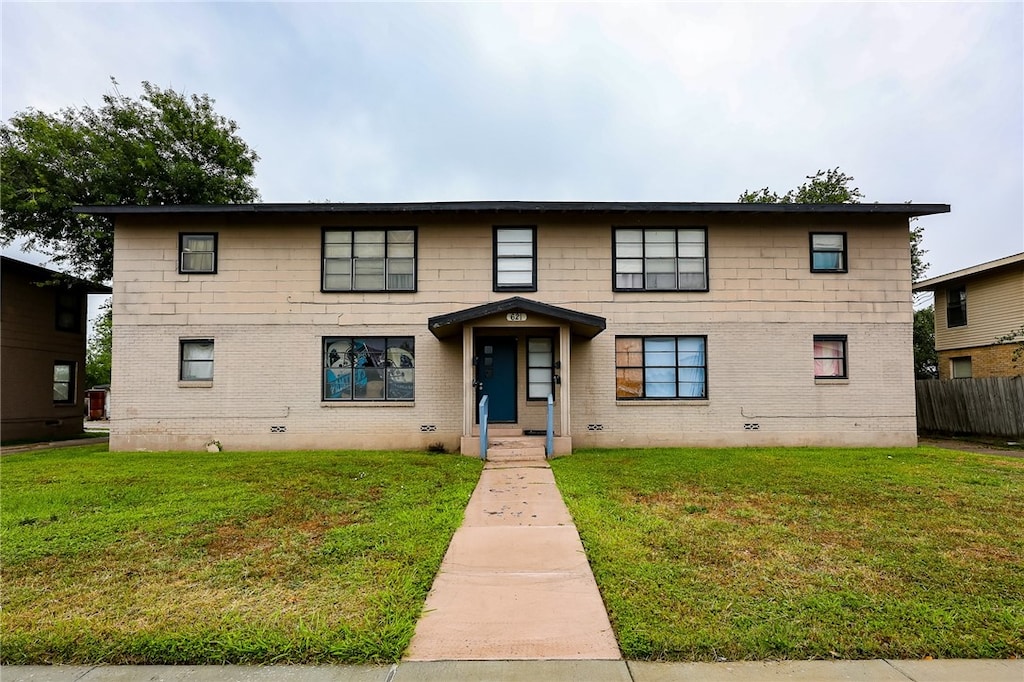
(582, 324)
(520, 207)
(973, 271)
(46, 276)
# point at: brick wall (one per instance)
(986, 361)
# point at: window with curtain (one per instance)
(369, 259)
(197, 360)
(197, 253)
(660, 259)
(515, 259)
(960, 368)
(369, 368)
(660, 367)
(956, 307)
(540, 368)
(64, 382)
(830, 357)
(828, 252)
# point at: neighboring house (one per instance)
(973, 308)
(382, 325)
(42, 333)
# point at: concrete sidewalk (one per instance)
(515, 582)
(533, 671)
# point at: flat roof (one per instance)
(982, 268)
(573, 207)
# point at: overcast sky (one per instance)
(919, 102)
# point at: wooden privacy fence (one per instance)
(989, 407)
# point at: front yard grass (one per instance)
(804, 553)
(269, 557)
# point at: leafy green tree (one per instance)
(926, 360)
(1015, 337)
(162, 148)
(97, 354)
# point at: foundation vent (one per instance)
(428, 428)
(595, 427)
(278, 429)
(751, 426)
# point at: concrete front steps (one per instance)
(507, 444)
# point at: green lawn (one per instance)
(804, 553)
(226, 557)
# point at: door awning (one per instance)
(582, 324)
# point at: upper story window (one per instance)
(196, 360)
(68, 311)
(515, 259)
(830, 357)
(660, 367)
(197, 253)
(369, 259)
(828, 252)
(661, 259)
(64, 382)
(956, 306)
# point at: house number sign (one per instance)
(516, 317)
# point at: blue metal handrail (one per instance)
(483, 428)
(549, 446)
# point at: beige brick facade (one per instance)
(267, 317)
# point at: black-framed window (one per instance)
(369, 259)
(660, 259)
(68, 310)
(197, 253)
(540, 367)
(515, 258)
(661, 367)
(956, 306)
(64, 382)
(828, 252)
(369, 368)
(830, 356)
(196, 360)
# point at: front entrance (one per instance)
(496, 377)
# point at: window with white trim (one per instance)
(830, 357)
(369, 259)
(369, 368)
(515, 259)
(661, 367)
(660, 259)
(540, 368)
(960, 368)
(197, 253)
(196, 360)
(828, 252)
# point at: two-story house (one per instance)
(975, 308)
(42, 351)
(287, 326)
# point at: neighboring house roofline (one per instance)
(46, 275)
(983, 268)
(572, 207)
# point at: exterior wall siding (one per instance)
(266, 313)
(995, 306)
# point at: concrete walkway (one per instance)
(531, 671)
(515, 583)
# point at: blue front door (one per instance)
(496, 376)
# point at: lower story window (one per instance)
(197, 360)
(369, 368)
(830, 357)
(960, 368)
(540, 368)
(64, 382)
(673, 367)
